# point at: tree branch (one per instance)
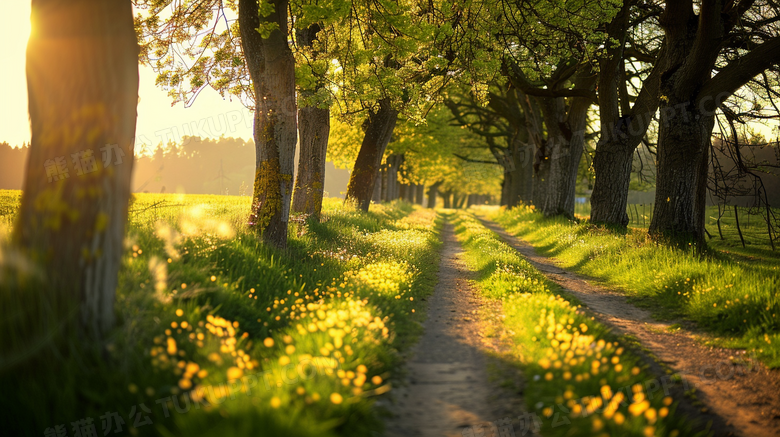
(739, 72)
(476, 161)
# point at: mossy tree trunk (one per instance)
(82, 84)
(272, 70)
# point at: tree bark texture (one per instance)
(379, 130)
(313, 129)
(622, 126)
(565, 143)
(519, 173)
(82, 85)
(690, 96)
(684, 130)
(272, 70)
(682, 176)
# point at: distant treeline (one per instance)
(196, 166)
(12, 163)
(227, 166)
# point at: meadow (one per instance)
(730, 294)
(219, 334)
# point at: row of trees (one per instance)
(522, 78)
(531, 79)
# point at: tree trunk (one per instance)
(420, 194)
(82, 84)
(377, 196)
(620, 135)
(506, 185)
(272, 70)
(565, 141)
(614, 155)
(682, 175)
(684, 128)
(379, 130)
(433, 192)
(541, 178)
(393, 164)
(461, 201)
(524, 166)
(612, 165)
(446, 197)
(314, 129)
(540, 154)
(518, 181)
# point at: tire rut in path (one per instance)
(447, 385)
(741, 400)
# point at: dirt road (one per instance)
(448, 388)
(739, 397)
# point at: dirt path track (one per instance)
(447, 386)
(740, 399)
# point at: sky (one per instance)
(209, 116)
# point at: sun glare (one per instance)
(14, 125)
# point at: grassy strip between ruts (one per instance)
(221, 335)
(581, 381)
(732, 296)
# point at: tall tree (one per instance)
(248, 57)
(623, 124)
(313, 131)
(264, 38)
(393, 62)
(736, 39)
(379, 127)
(82, 85)
(564, 98)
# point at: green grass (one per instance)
(218, 334)
(576, 370)
(731, 294)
